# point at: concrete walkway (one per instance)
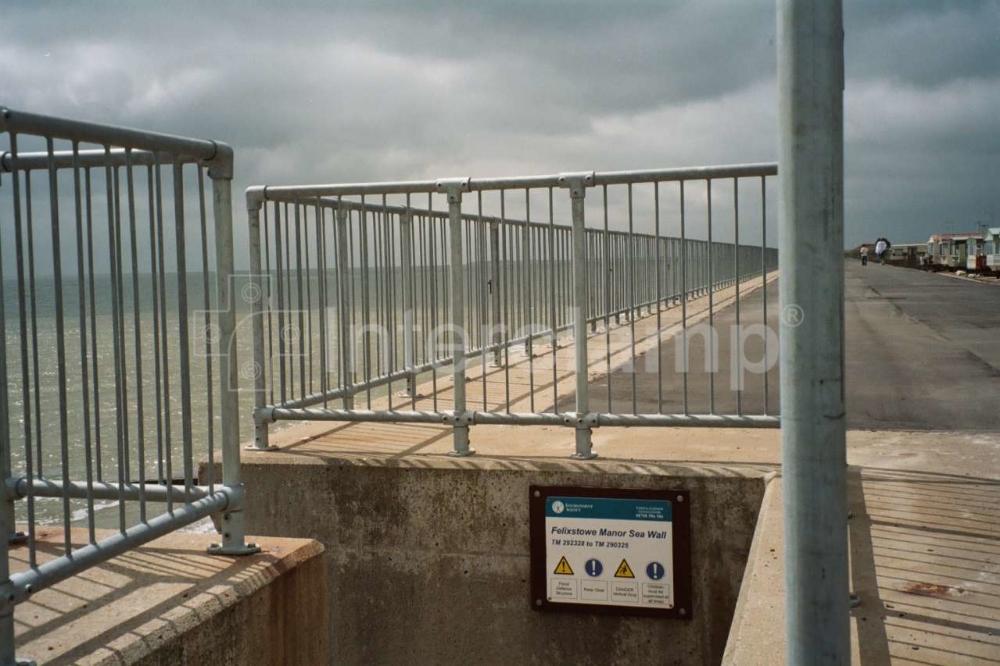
(923, 350)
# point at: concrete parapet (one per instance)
(429, 555)
(169, 602)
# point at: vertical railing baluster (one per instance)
(406, 265)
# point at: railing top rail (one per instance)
(687, 173)
(204, 150)
(259, 193)
(64, 159)
(342, 204)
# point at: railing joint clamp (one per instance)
(459, 419)
(454, 187)
(577, 183)
(263, 415)
(580, 421)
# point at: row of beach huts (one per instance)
(973, 252)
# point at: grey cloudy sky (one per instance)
(309, 92)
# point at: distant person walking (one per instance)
(881, 245)
(864, 255)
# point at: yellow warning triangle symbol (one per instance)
(563, 567)
(624, 571)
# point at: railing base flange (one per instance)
(245, 549)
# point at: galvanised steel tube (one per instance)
(63, 159)
(233, 541)
(24, 487)
(346, 347)
(7, 516)
(406, 267)
(28, 582)
(570, 419)
(811, 228)
(581, 288)
(454, 190)
(292, 192)
(22, 122)
(257, 325)
(496, 319)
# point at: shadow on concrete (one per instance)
(153, 580)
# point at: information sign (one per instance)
(611, 550)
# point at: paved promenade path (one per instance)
(923, 350)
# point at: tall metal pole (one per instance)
(811, 229)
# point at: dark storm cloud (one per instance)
(385, 90)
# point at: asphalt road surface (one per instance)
(923, 350)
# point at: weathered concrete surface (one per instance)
(429, 555)
(924, 555)
(923, 537)
(169, 602)
(922, 350)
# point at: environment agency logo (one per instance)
(558, 507)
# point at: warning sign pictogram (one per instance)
(624, 571)
(563, 567)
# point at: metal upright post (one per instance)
(456, 265)
(406, 238)
(8, 527)
(343, 282)
(814, 458)
(577, 184)
(233, 534)
(495, 324)
(258, 284)
(7, 502)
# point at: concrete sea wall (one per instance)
(428, 556)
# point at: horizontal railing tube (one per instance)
(106, 491)
(292, 192)
(527, 418)
(49, 573)
(86, 159)
(22, 122)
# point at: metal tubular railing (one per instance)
(356, 284)
(109, 283)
